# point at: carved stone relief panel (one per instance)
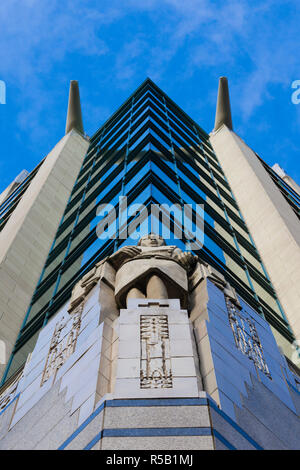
(10, 388)
(62, 345)
(155, 352)
(9, 393)
(246, 337)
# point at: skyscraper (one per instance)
(64, 230)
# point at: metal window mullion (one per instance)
(175, 166)
(116, 244)
(173, 152)
(252, 241)
(229, 223)
(60, 272)
(62, 219)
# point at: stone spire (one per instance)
(223, 112)
(74, 118)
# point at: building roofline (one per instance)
(149, 81)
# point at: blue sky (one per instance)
(111, 46)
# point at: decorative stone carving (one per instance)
(151, 270)
(155, 352)
(246, 337)
(9, 392)
(10, 388)
(62, 345)
(85, 285)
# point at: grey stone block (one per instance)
(38, 421)
(262, 435)
(273, 414)
(5, 419)
(229, 432)
(87, 434)
(158, 443)
(156, 417)
(59, 433)
(296, 399)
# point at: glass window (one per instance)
(41, 302)
(265, 296)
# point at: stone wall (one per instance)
(27, 237)
(270, 219)
(85, 390)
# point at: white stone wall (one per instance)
(79, 383)
(94, 400)
(185, 382)
(27, 237)
(271, 221)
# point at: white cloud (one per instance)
(244, 36)
(257, 40)
(38, 33)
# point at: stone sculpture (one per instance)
(151, 270)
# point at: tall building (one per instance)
(99, 316)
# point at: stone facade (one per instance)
(27, 237)
(153, 375)
(271, 221)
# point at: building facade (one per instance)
(117, 339)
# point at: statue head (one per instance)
(152, 239)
